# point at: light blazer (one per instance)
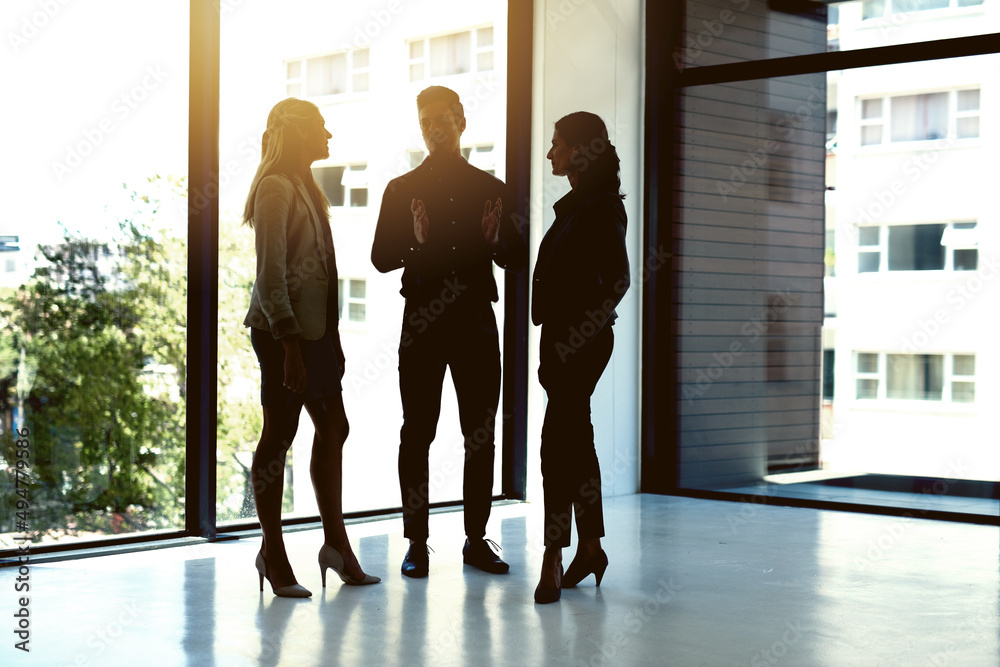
(290, 292)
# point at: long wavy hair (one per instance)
(597, 159)
(279, 147)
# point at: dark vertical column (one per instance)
(664, 26)
(203, 260)
(514, 405)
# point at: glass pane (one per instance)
(872, 9)
(726, 32)
(871, 108)
(360, 82)
(964, 364)
(252, 82)
(966, 259)
(906, 6)
(916, 248)
(968, 100)
(451, 54)
(484, 61)
(359, 197)
(871, 135)
(919, 117)
(914, 376)
(294, 69)
(326, 75)
(963, 392)
(868, 262)
(331, 180)
(867, 388)
(484, 37)
(93, 346)
(293, 90)
(867, 362)
(967, 128)
(868, 235)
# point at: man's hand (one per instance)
(491, 222)
(421, 225)
(295, 369)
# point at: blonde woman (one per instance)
(293, 320)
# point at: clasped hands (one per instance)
(490, 224)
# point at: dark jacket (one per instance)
(455, 257)
(582, 270)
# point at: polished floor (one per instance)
(691, 582)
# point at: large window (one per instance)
(870, 353)
(376, 137)
(93, 320)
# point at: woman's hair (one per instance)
(597, 160)
(278, 150)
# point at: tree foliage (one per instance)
(98, 333)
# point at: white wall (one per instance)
(588, 56)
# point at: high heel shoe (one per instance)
(578, 571)
(293, 591)
(332, 559)
(547, 595)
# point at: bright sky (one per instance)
(96, 96)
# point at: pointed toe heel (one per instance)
(330, 558)
(293, 591)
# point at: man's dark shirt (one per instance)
(456, 255)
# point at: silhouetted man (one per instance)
(444, 224)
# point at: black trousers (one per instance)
(464, 338)
(571, 473)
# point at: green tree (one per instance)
(100, 327)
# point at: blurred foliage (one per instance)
(93, 350)
(96, 340)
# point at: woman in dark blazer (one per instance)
(580, 276)
(293, 317)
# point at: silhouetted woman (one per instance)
(580, 276)
(293, 317)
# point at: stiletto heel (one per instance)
(578, 571)
(293, 591)
(330, 558)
